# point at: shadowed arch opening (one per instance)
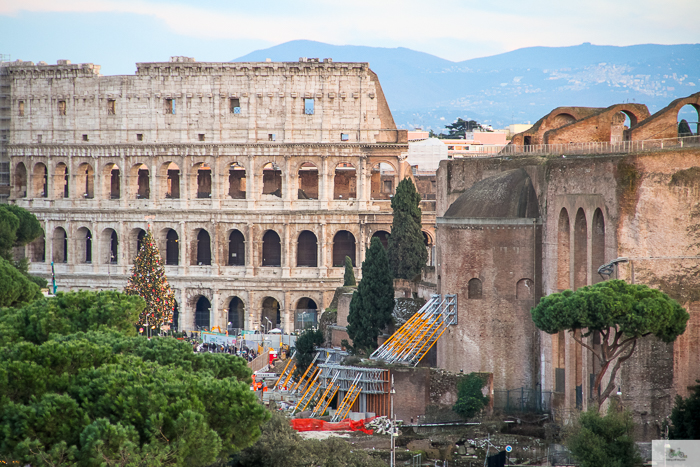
(271, 249)
(306, 314)
(60, 181)
(85, 181)
(308, 181)
(580, 250)
(110, 246)
(307, 249)
(236, 181)
(172, 181)
(563, 251)
(383, 237)
(343, 245)
(272, 180)
(20, 179)
(143, 181)
(60, 245)
(688, 118)
(84, 246)
(236, 249)
(203, 173)
(383, 181)
(270, 316)
(562, 119)
(345, 181)
(525, 289)
(176, 316)
(172, 248)
(202, 312)
(111, 181)
(474, 289)
(41, 180)
(203, 248)
(597, 245)
(236, 313)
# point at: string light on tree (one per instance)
(148, 281)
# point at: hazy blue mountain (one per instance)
(513, 87)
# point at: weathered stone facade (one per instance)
(588, 210)
(256, 178)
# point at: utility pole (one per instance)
(392, 461)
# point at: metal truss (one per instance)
(348, 401)
(412, 341)
(326, 397)
(370, 380)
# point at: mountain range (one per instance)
(520, 86)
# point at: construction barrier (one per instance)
(312, 424)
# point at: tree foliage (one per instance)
(149, 282)
(373, 302)
(306, 347)
(406, 248)
(685, 416)
(349, 277)
(78, 388)
(17, 228)
(620, 312)
(604, 441)
(281, 446)
(470, 399)
(459, 128)
(684, 128)
(16, 289)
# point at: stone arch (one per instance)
(109, 242)
(580, 250)
(83, 245)
(525, 289)
(343, 245)
(305, 314)
(429, 244)
(383, 237)
(383, 180)
(202, 180)
(597, 244)
(20, 181)
(270, 310)
(111, 181)
(202, 313)
(172, 248)
(236, 248)
(142, 181)
(561, 119)
(474, 289)
(60, 245)
(171, 172)
(271, 249)
(237, 181)
(203, 250)
(563, 251)
(236, 313)
(345, 181)
(272, 180)
(135, 239)
(687, 118)
(308, 181)
(85, 181)
(37, 249)
(40, 182)
(307, 249)
(60, 181)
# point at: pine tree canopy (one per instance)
(149, 282)
(372, 304)
(406, 249)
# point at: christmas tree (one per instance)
(148, 281)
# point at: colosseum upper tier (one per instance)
(257, 179)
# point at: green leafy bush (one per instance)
(470, 399)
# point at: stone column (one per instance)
(214, 318)
(250, 260)
(184, 257)
(286, 253)
(289, 184)
(286, 312)
(323, 251)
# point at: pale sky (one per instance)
(118, 33)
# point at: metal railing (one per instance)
(605, 147)
(522, 400)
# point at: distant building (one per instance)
(476, 143)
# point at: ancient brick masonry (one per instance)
(512, 229)
(256, 178)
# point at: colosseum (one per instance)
(257, 179)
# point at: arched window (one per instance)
(113, 248)
(143, 181)
(60, 246)
(383, 181)
(85, 247)
(306, 314)
(688, 118)
(236, 181)
(172, 250)
(271, 249)
(308, 181)
(271, 316)
(203, 248)
(307, 249)
(111, 181)
(580, 250)
(272, 180)
(20, 180)
(382, 236)
(474, 289)
(236, 249)
(598, 244)
(139, 240)
(203, 181)
(172, 189)
(343, 245)
(41, 180)
(60, 181)
(201, 313)
(236, 313)
(345, 181)
(525, 289)
(176, 317)
(85, 181)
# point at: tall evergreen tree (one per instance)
(149, 282)
(349, 278)
(406, 249)
(373, 302)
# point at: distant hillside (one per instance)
(513, 87)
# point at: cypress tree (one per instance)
(406, 249)
(684, 129)
(349, 279)
(373, 302)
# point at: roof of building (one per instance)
(506, 195)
